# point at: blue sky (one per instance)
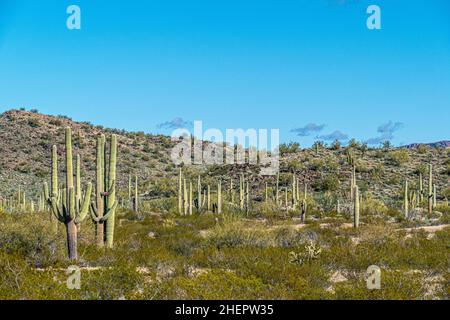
(234, 64)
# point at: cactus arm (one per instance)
(112, 190)
(85, 205)
(93, 212)
(46, 194)
(109, 213)
(53, 202)
(54, 170)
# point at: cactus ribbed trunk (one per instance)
(304, 208)
(99, 226)
(277, 194)
(69, 166)
(241, 192)
(180, 193)
(71, 227)
(78, 183)
(430, 190)
(111, 197)
(136, 195)
(54, 187)
(420, 188)
(219, 198)
(199, 194)
(129, 190)
(434, 197)
(356, 208)
(72, 239)
(190, 198)
(286, 197)
(405, 201)
(247, 197)
(186, 200)
(294, 198)
(208, 204)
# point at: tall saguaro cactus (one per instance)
(129, 190)
(185, 197)
(199, 194)
(304, 204)
(277, 194)
(430, 189)
(406, 200)
(247, 198)
(103, 210)
(356, 208)
(209, 198)
(180, 192)
(136, 194)
(65, 211)
(434, 196)
(78, 183)
(353, 183)
(294, 198)
(241, 192)
(190, 198)
(219, 197)
(420, 199)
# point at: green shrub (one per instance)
(399, 157)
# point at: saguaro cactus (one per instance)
(180, 193)
(204, 197)
(199, 194)
(277, 194)
(286, 198)
(356, 208)
(430, 189)
(209, 198)
(247, 198)
(41, 204)
(294, 198)
(185, 197)
(353, 183)
(219, 197)
(406, 200)
(67, 213)
(103, 210)
(304, 210)
(129, 190)
(434, 197)
(420, 188)
(78, 183)
(241, 192)
(136, 194)
(190, 198)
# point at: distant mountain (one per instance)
(439, 144)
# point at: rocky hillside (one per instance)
(26, 139)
